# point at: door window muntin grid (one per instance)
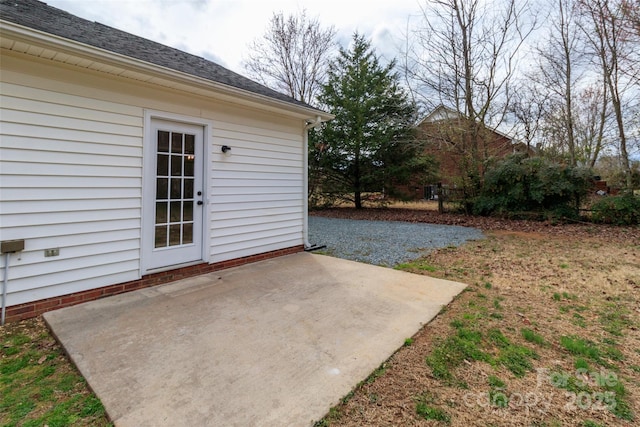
(175, 161)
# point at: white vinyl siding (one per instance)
(70, 179)
(71, 174)
(256, 192)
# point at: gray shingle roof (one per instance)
(40, 16)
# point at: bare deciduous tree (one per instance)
(631, 13)
(292, 56)
(463, 55)
(574, 113)
(465, 52)
(617, 49)
(559, 60)
(592, 123)
(527, 108)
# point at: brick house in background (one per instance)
(447, 135)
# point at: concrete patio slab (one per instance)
(273, 343)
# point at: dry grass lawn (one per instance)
(546, 334)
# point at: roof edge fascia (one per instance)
(17, 32)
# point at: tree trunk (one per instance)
(608, 42)
(611, 75)
(602, 120)
(626, 166)
(568, 86)
(356, 179)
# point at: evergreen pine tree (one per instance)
(369, 146)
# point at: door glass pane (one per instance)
(176, 143)
(187, 233)
(189, 161)
(188, 188)
(187, 211)
(163, 165)
(176, 184)
(189, 144)
(161, 236)
(161, 212)
(176, 165)
(163, 141)
(174, 235)
(161, 188)
(176, 211)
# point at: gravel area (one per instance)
(385, 243)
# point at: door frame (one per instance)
(148, 156)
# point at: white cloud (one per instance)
(221, 30)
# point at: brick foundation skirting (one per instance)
(36, 308)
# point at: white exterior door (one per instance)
(173, 196)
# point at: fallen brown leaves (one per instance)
(555, 280)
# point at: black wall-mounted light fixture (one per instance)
(225, 149)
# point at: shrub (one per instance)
(519, 184)
(618, 210)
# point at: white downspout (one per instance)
(305, 185)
